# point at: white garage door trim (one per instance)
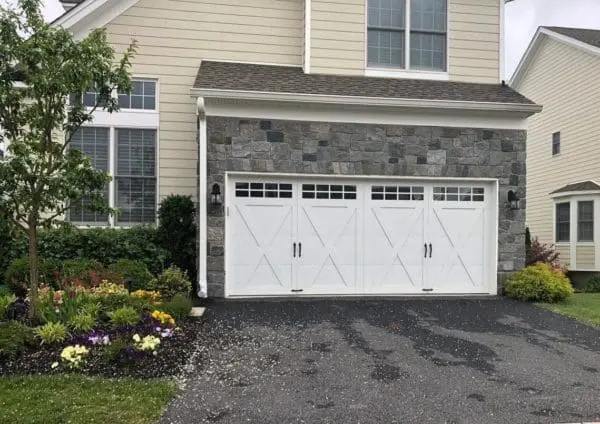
(490, 230)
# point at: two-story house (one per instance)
(560, 70)
(335, 147)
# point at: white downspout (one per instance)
(202, 199)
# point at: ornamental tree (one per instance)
(41, 67)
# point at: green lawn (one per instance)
(81, 400)
(582, 306)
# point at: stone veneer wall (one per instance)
(365, 149)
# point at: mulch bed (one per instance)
(173, 355)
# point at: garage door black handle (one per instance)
(425, 249)
(299, 250)
(294, 249)
(430, 249)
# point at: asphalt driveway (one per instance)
(390, 361)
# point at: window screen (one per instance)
(428, 35)
(135, 176)
(143, 96)
(93, 142)
(585, 221)
(386, 33)
(563, 222)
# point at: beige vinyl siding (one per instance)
(175, 35)
(474, 45)
(338, 39)
(586, 256)
(565, 81)
(564, 251)
(338, 36)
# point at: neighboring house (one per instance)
(342, 147)
(560, 70)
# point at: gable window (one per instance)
(563, 222)
(556, 143)
(143, 95)
(585, 221)
(407, 34)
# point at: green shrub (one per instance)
(16, 277)
(539, 283)
(13, 244)
(135, 274)
(52, 332)
(593, 285)
(78, 268)
(178, 307)
(177, 232)
(15, 337)
(92, 309)
(5, 302)
(82, 323)
(126, 316)
(4, 290)
(170, 282)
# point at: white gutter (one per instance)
(202, 199)
(365, 101)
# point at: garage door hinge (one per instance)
(297, 291)
(427, 290)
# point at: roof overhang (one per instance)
(520, 109)
(92, 14)
(534, 45)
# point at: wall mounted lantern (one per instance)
(215, 195)
(513, 200)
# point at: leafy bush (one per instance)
(52, 332)
(179, 307)
(82, 323)
(593, 285)
(135, 274)
(16, 276)
(5, 302)
(539, 283)
(15, 337)
(13, 244)
(104, 245)
(60, 305)
(126, 316)
(77, 268)
(170, 282)
(176, 232)
(540, 252)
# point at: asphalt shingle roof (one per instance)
(581, 186)
(291, 79)
(588, 36)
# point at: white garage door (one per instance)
(346, 237)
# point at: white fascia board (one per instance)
(92, 14)
(311, 112)
(589, 193)
(528, 109)
(534, 45)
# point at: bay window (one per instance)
(585, 220)
(407, 34)
(563, 222)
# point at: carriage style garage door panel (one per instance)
(319, 236)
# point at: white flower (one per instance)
(105, 340)
(54, 365)
(136, 338)
(155, 353)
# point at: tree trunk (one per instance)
(34, 272)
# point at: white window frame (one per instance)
(127, 119)
(374, 71)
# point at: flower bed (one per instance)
(99, 329)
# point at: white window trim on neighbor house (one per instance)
(407, 72)
(573, 199)
(136, 119)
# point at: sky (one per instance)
(521, 20)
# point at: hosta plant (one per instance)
(52, 332)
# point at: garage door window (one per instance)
(270, 190)
(328, 191)
(397, 192)
(459, 194)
